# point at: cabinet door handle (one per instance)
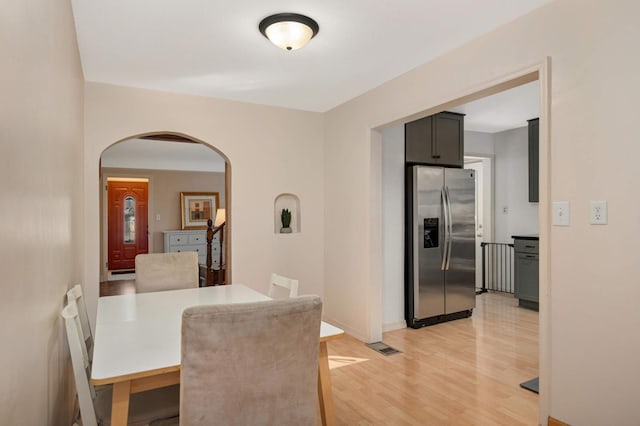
(435, 156)
(530, 246)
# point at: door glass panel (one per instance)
(129, 220)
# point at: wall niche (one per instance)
(290, 202)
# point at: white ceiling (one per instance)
(162, 155)
(503, 111)
(213, 48)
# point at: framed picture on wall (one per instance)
(197, 208)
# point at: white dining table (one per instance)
(138, 338)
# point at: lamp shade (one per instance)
(221, 218)
(289, 31)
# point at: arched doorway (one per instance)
(174, 166)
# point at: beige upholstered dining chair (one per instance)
(278, 281)
(250, 363)
(75, 295)
(166, 271)
(95, 405)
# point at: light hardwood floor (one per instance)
(114, 288)
(464, 372)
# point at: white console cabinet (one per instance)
(179, 241)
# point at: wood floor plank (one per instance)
(464, 372)
(114, 288)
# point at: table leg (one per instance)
(324, 387)
(120, 403)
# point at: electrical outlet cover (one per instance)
(598, 213)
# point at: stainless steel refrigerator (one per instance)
(440, 245)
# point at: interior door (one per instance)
(127, 222)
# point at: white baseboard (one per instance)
(394, 326)
(117, 277)
(348, 330)
(353, 333)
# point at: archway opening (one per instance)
(181, 172)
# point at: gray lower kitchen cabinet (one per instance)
(436, 140)
(526, 271)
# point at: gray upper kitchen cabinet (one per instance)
(435, 140)
(534, 132)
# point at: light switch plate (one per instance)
(561, 213)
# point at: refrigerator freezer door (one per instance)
(428, 242)
(460, 275)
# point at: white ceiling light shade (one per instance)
(289, 31)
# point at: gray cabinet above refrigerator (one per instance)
(435, 140)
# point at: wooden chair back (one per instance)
(80, 363)
(75, 295)
(283, 282)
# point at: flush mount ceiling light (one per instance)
(289, 31)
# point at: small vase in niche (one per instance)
(285, 217)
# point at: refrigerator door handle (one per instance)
(445, 216)
(449, 223)
(416, 247)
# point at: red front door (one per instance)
(127, 222)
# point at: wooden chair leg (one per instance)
(324, 387)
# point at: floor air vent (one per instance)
(383, 348)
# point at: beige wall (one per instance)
(511, 190)
(593, 345)
(41, 215)
(165, 187)
(270, 151)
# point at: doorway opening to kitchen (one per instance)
(496, 147)
(390, 144)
